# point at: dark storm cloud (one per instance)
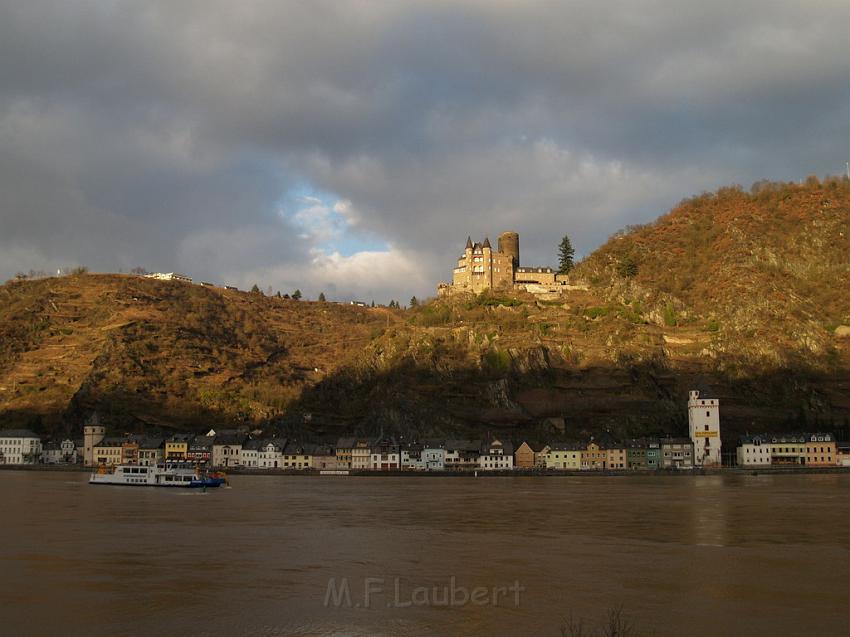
(167, 134)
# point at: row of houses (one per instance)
(234, 449)
(237, 450)
(608, 455)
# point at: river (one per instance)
(681, 555)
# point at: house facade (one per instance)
(297, 456)
(199, 450)
(361, 454)
(821, 450)
(753, 451)
(496, 456)
(433, 457)
(109, 451)
(524, 457)
(151, 451)
(64, 452)
(787, 449)
(615, 457)
(564, 457)
(593, 457)
(643, 454)
(270, 453)
(19, 446)
(324, 459)
(677, 453)
(462, 455)
(227, 450)
(177, 447)
(386, 455)
(411, 457)
(344, 449)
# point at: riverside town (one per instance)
(235, 449)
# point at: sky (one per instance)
(350, 147)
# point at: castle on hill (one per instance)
(481, 268)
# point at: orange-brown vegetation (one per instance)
(741, 293)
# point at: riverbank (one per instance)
(514, 473)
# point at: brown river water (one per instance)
(682, 555)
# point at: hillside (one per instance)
(150, 353)
(744, 295)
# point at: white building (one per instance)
(462, 455)
(385, 456)
(270, 454)
(59, 452)
(411, 458)
(19, 446)
(704, 427)
(496, 456)
(169, 276)
(361, 454)
(227, 450)
(249, 455)
(753, 451)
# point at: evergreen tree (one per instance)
(255, 289)
(297, 295)
(373, 302)
(414, 301)
(322, 297)
(565, 255)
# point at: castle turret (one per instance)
(509, 245)
(92, 436)
(487, 249)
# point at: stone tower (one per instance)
(92, 436)
(509, 244)
(704, 427)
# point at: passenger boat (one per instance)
(171, 474)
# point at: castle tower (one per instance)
(509, 245)
(92, 436)
(704, 427)
(487, 249)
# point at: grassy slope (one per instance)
(142, 351)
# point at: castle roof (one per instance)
(469, 242)
(486, 243)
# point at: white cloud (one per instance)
(367, 275)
